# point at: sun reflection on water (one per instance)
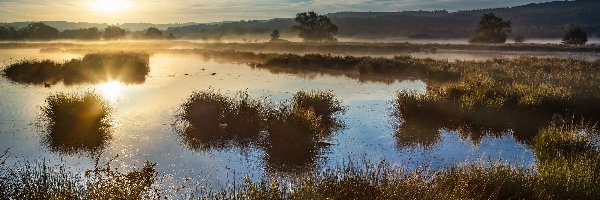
(111, 90)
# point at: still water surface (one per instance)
(143, 115)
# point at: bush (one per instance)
(34, 72)
(574, 36)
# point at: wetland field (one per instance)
(348, 120)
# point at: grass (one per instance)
(77, 123)
(291, 134)
(96, 67)
(500, 95)
(41, 181)
(556, 175)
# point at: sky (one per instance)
(178, 11)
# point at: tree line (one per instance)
(41, 31)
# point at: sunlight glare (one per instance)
(111, 90)
(110, 5)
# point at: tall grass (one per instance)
(34, 72)
(96, 67)
(42, 181)
(291, 134)
(76, 122)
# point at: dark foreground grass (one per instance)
(76, 123)
(568, 168)
(41, 181)
(97, 67)
(292, 133)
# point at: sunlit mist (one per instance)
(111, 90)
(110, 5)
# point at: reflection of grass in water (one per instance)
(34, 72)
(40, 181)
(77, 122)
(297, 130)
(216, 121)
(98, 67)
(568, 168)
(294, 131)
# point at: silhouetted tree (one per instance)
(39, 31)
(82, 33)
(153, 33)
(10, 33)
(275, 35)
(314, 27)
(113, 32)
(574, 36)
(491, 29)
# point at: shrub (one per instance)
(34, 72)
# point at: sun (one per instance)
(110, 5)
(111, 90)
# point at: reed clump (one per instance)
(292, 134)
(96, 67)
(77, 122)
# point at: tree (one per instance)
(275, 35)
(113, 33)
(10, 33)
(39, 31)
(171, 36)
(491, 29)
(153, 33)
(574, 36)
(519, 39)
(82, 33)
(314, 27)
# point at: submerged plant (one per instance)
(77, 122)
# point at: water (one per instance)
(143, 115)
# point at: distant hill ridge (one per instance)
(536, 20)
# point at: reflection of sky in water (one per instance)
(143, 115)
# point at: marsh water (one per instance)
(143, 117)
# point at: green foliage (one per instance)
(491, 29)
(314, 27)
(82, 34)
(574, 36)
(76, 123)
(153, 33)
(39, 31)
(113, 33)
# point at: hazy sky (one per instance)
(165, 11)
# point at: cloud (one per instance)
(163, 11)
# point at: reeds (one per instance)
(292, 134)
(76, 122)
(97, 67)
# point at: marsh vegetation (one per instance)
(92, 68)
(76, 123)
(292, 134)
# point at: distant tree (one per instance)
(171, 36)
(314, 27)
(491, 29)
(275, 34)
(10, 33)
(519, 39)
(39, 31)
(574, 36)
(82, 33)
(153, 33)
(113, 33)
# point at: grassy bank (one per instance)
(76, 123)
(567, 168)
(292, 134)
(97, 67)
